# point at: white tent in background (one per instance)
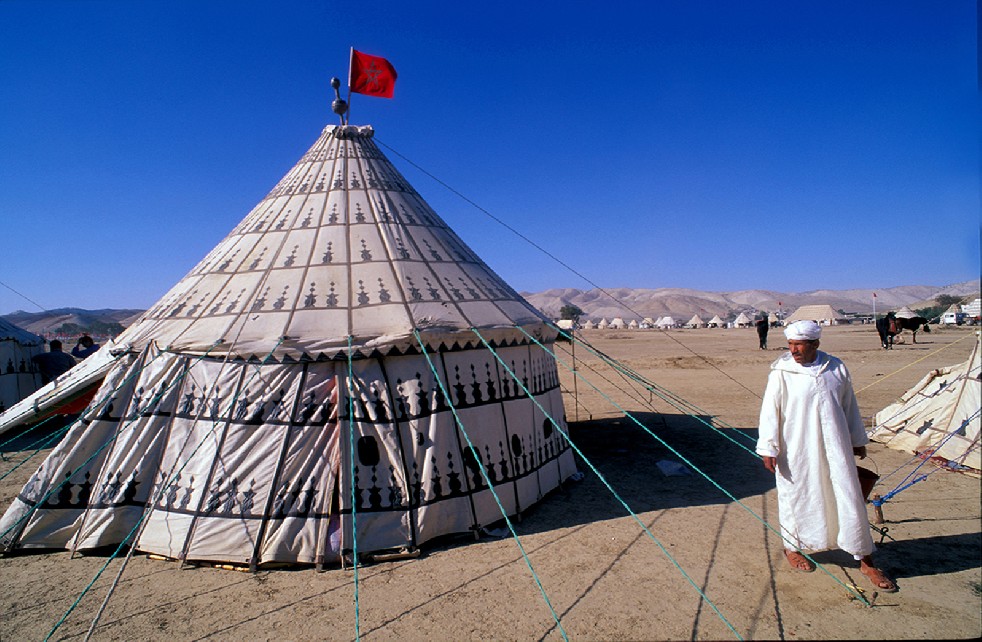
(666, 322)
(340, 358)
(633, 324)
(695, 322)
(743, 321)
(953, 315)
(603, 324)
(823, 314)
(905, 313)
(647, 323)
(68, 394)
(617, 324)
(938, 416)
(772, 319)
(19, 376)
(589, 325)
(716, 322)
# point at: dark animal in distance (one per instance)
(891, 325)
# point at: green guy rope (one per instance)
(487, 479)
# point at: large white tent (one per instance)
(822, 314)
(340, 371)
(18, 374)
(938, 416)
(743, 320)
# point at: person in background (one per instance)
(85, 347)
(53, 363)
(810, 429)
(762, 327)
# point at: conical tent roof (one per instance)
(695, 321)
(341, 352)
(938, 416)
(822, 313)
(718, 322)
(905, 313)
(343, 248)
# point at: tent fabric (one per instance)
(823, 314)
(19, 376)
(905, 313)
(743, 321)
(342, 248)
(938, 416)
(716, 322)
(695, 322)
(340, 359)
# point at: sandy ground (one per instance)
(607, 574)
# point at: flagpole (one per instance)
(351, 59)
(874, 307)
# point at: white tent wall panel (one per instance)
(297, 529)
(127, 475)
(18, 375)
(236, 491)
(77, 461)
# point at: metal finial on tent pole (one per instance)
(338, 106)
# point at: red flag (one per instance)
(371, 75)
(874, 295)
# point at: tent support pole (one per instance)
(877, 509)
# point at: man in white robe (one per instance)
(810, 429)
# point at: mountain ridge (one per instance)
(598, 303)
(631, 303)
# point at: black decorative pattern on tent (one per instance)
(326, 238)
(377, 487)
(378, 490)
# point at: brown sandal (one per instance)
(879, 579)
(799, 562)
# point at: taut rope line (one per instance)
(563, 264)
(701, 472)
(600, 475)
(484, 472)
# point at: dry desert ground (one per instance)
(642, 555)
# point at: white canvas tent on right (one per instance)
(939, 416)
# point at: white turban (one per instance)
(803, 331)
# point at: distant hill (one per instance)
(74, 321)
(596, 304)
(682, 303)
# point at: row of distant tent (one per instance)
(742, 321)
(823, 314)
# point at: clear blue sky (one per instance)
(715, 145)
